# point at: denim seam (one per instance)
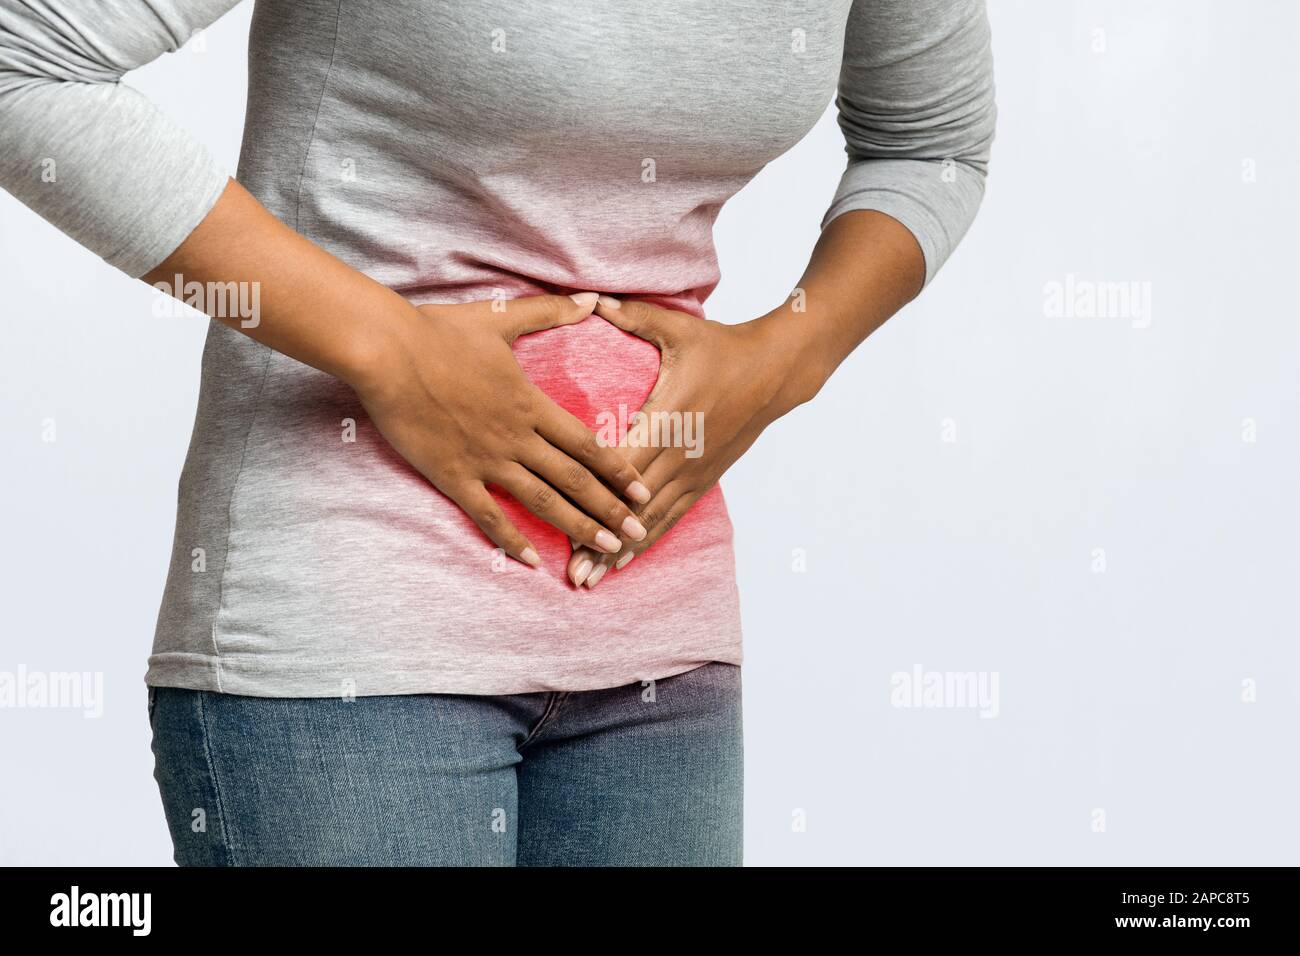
(226, 841)
(553, 704)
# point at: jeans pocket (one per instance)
(153, 700)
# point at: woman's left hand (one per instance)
(719, 386)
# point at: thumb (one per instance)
(540, 312)
(641, 319)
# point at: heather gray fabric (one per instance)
(457, 152)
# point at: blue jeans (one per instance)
(634, 775)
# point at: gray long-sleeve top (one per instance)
(453, 152)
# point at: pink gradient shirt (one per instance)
(457, 152)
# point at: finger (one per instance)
(668, 516)
(662, 470)
(641, 319)
(483, 510)
(640, 451)
(578, 442)
(581, 487)
(549, 505)
(540, 312)
(584, 564)
(598, 571)
(580, 565)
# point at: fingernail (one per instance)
(607, 542)
(596, 575)
(529, 556)
(622, 562)
(633, 528)
(638, 492)
(585, 299)
(609, 303)
(581, 571)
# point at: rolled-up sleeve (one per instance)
(916, 106)
(87, 152)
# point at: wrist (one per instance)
(369, 360)
(801, 360)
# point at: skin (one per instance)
(865, 267)
(442, 385)
(439, 382)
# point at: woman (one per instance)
(475, 234)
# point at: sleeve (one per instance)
(917, 111)
(88, 153)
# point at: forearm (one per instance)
(916, 105)
(310, 305)
(865, 267)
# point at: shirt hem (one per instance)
(251, 676)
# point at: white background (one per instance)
(1119, 692)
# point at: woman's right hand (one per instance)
(443, 387)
